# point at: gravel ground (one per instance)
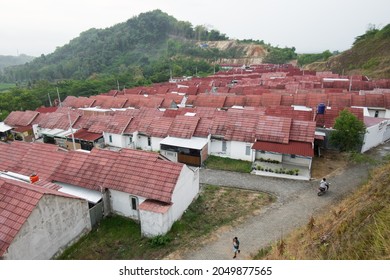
(296, 202)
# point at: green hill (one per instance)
(146, 48)
(10, 60)
(369, 56)
(140, 45)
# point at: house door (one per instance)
(134, 213)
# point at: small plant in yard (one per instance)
(160, 240)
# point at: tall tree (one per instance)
(349, 132)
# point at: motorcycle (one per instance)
(322, 191)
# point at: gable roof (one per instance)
(17, 201)
(273, 129)
(21, 118)
(183, 126)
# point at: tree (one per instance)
(349, 131)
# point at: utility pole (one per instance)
(71, 131)
(59, 98)
(48, 94)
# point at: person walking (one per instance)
(236, 247)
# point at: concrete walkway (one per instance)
(297, 202)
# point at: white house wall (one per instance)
(53, 225)
(268, 155)
(297, 160)
(187, 188)
(238, 150)
(117, 140)
(216, 148)
(156, 143)
(375, 135)
(153, 224)
(121, 204)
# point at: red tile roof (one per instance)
(154, 206)
(17, 201)
(273, 129)
(292, 148)
(160, 127)
(21, 118)
(58, 119)
(209, 100)
(78, 102)
(183, 126)
(302, 131)
(241, 127)
(46, 109)
(85, 135)
(132, 171)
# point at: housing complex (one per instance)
(137, 152)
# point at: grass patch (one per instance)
(358, 228)
(5, 86)
(228, 164)
(355, 157)
(120, 238)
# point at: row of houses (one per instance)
(377, 101)
(182, 135)
(135, 152)
(76, 189)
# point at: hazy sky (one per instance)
(34, 27)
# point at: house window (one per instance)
(149, 141)
(292, 156)
(248, 150)
(134, 203)
(224, 148)
(110, 138)
(376, 113)
(130, 139)
(262, 152)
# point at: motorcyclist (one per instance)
(324, 185)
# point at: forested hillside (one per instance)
(10, 60)
(139, 47)
(369, 55)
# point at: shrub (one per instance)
(160, 240)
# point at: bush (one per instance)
(160, 240)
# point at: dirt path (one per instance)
(297, 202)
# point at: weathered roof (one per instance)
(17, 201)
(273, 129)
(21, 118)
(292, 148)
(183, 126)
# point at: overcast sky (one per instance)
(36, 27)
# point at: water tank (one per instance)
(321, 109)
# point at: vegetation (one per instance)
(348, 133)
(10, 60)
(228, 164)
(119, 238)
(356, 229)
(304, 59)
(278, 55)
(369, 56)
(135, 45)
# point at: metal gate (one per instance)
(96, 212)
